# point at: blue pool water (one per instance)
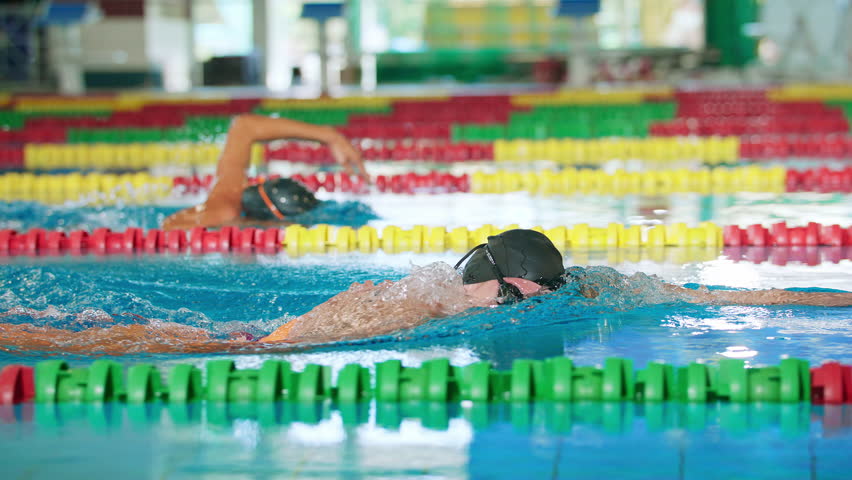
(88, 300)
(25, 215)
(224, 294)
(528, 441)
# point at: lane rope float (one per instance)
(418, 239)
(555, 379)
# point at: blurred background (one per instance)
(301, 48)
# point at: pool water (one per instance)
(93, 302)
(256, 294)
(534, 441)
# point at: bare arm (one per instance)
(355, 313)
(248, 129)
(223, 205)
(772, 296)
(366, 310)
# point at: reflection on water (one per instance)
(424, 440)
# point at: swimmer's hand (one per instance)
(347, 156)
(241, 336)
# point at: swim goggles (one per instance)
(507, 293)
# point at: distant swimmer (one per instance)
(232, 201)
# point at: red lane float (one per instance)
(11, 156)
(780, 234)
(813, 180)
(783, 255)
(725, 126)
(17, 384)
(408, 183)
(831, 384)
(103, 241)
(761, 147)
(820, 180)
(420, 151)
(28, 134)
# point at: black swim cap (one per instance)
(283, 196)
(525, 254)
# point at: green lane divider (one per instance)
(12, 120)
(554, 417)
(196, 129)
(127, 135)
(555, 379)
(570, 121)
(846, 106)
(202, 128)
(326, 116)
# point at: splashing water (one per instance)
(367, 310)
(347, 213)
(26, 215)
(185, 303)
(70, 310)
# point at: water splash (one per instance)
(26, 215)
(93, 310)
(73, 310)
(332, 212)
(368, 309)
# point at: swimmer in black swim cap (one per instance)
(277, 199)
(512, 266)
(232, 201)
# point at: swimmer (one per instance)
(232, 201)
(511, 267)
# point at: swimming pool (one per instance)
(225, 293)
(392, 406)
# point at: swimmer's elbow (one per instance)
(172, 223)
(240, 122)
(243, 125)
(179, 221)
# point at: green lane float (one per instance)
(554, 380)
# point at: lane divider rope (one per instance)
(419, 238)
(555, 379)
(142, 188)
(709, 150)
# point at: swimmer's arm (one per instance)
(247, 129)
(765, 297)
(359, 312)
(223, 205)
